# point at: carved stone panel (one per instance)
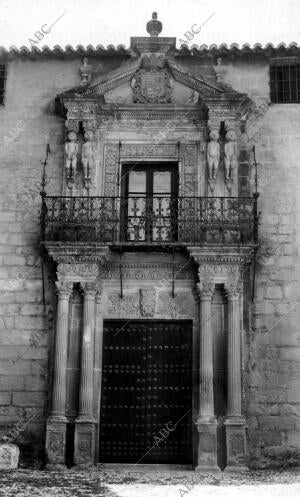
(111, 155)
(149, 302)
(127, 306)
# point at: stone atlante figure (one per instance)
(213, 154)
(71, 150)
(88, 154)
(230, 152)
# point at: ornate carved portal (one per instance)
(147, 295)
(150, 111)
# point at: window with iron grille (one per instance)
(2, 82)
(285, 81)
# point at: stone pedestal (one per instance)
(207, 446)
(84, 444)
(56, 444)
(9, 456)
(57, 421)
(235, 423)
(236, 444)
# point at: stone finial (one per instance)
(154, 27)
(85, 71)
(220, 70)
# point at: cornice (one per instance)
(217, 256)
(223, 50)
(81, 252)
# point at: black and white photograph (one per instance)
(149, 248)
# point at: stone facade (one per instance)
(34, 323)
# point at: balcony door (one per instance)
(149, 205)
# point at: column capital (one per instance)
(64, 289)
(205, 289)
(89, 289)
(233, 288)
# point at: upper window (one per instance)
(2, 82)
(285, 81)
(149, 205)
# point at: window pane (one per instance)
(161, 182)
(137, 182)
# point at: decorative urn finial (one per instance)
(154, 27)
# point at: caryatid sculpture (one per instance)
(71, 150)
(213, 154)
(230, 153)
(88, 154)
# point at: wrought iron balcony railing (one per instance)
(159, 220)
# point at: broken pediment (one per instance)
(150, 79)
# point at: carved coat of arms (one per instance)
(152, 83)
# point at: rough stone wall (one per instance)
(28, 123)
(273, 372)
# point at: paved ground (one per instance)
(113, 483)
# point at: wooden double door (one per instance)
(146, 402)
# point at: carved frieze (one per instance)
(80, 110)
(149, 271)
(150, 302)
(79, 270)
(149, 150)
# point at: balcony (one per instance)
(156, 221)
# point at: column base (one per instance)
(207, 445)
(84, 443)
(56, 443)
(236, 447)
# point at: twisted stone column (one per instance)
(57, 421)
(235, 422)
(206, 422)
(85, 422)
